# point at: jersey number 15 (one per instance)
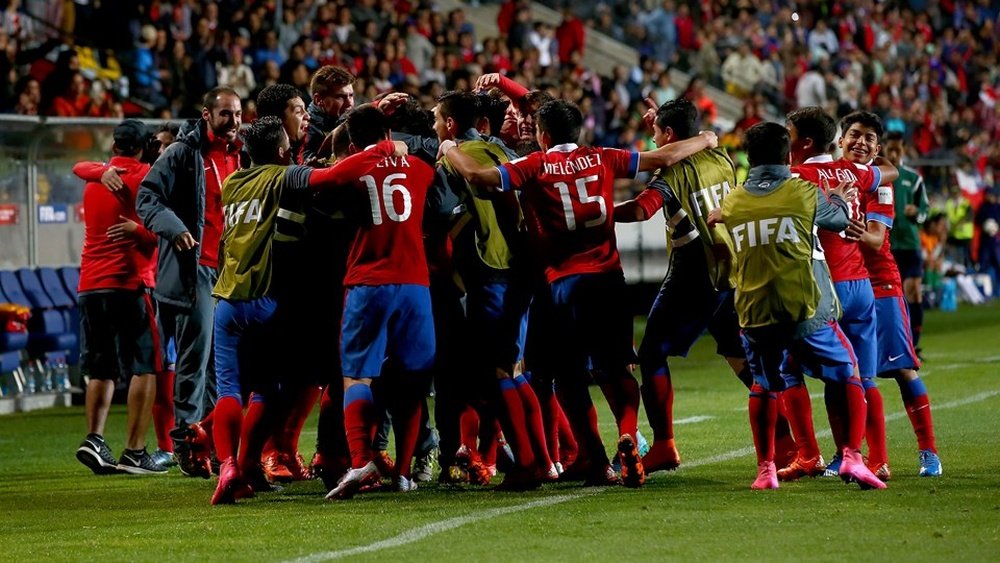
(584, 198)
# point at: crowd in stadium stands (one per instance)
(926, 67)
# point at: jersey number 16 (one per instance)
(387, 200)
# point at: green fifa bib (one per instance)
(700, 183)
(772, 237)
(250, 207)
(491, 243)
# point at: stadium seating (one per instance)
(65, 301)
(49, 337)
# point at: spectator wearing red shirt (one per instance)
(570, 35)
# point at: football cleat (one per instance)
(257, 479)
(166, 459)
(423, 467)
(853, 469)
(231, 486)
(472, 463)
(930, 464)
(633, 474)
(96, 455)
(833, 468)
(139, 463)
(663, 456)
(881, 471)
(192, 450)
(353, 481)
(799, 468)
(767, 477)
(404, 485)
(329, 470)
(603, 476)
(386, 465)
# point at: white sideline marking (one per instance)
(433, 528)
(427, 530)
(693, 419)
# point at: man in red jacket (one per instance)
(571, 36)
(117, 322)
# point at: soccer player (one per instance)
(117, 321)
(897, 356)
(566, 193)
(812, 132)
(784, 297)
(911, 209)
(244, 316)
(490, 256)
(697, 292)
(387, 309)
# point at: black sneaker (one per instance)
(139, 463)
(95, 454)
(166, 459)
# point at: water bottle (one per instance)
(949, 295)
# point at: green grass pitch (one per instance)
(52, 507)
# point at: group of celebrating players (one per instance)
(473, 250)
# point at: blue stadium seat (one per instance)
(70, 276)
(64, 301)
(49, 339)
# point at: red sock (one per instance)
(163, 410)
(875, 427)
(836, 406)
(919, 411)
(227, 432)
(582, 416)
(299, 410)
(856, 415)
(406, 413)
(550, 420)
(331, 438)
(658, 397)
(489, 436)
(763, 408)
(514, 422)
(622, 394)
(798, 410)
(533, 418)
(255, 432)
(359, 422)
(469, 427)
(569, 448)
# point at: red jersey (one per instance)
(221, 160)
(568, 196)
(842, 255)
(388, 247)
(879, 206)
(114, 264)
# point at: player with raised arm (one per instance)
(897, 356)
(567, 196)
(784, 297)
(387, 308)
(246, 310)
(812, 133)
(697, 292)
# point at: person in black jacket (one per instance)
(181, 201)
(332, 91)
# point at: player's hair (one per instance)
(814, 123)
(273, 100)
(461, 106)
(680, 116)
(212, 97)
(494, 109)
(263, 138)
(536, 98)
(895, 136)
(340, 144)
(413, 119)
(767, 143)
(329, 78)
(366, 125)
(562, 121)
(865, 119)
(526, 147)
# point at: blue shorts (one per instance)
(895, 342)
(910, 263)
(594, 321)
(242, 331)
(680, 315)
(825, 354)
(383, 321)
(498, 311)
(859, 323)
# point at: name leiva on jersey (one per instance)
(773, 230)
(242, 211)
